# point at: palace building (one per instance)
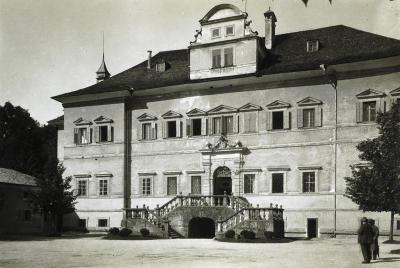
(228, 126)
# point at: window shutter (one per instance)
(235, 123)
(286, 119)
(204, 126)
(318, 116)
(96, 134)
(269, 120)
(178, 128)
(75, 136)
(210, 126)
(153, 131)
(140, 132)
(164, 129)
(91, 135)
(359, 112)
(188, 127)
(380, 105)
(245, 123)
(299, 118)
(109, 133)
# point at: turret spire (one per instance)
(102, 73)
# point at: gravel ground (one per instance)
(97, 252)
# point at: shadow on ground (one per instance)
(39, 237)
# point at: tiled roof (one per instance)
(338, 44)
(11, 176)
(56, 121)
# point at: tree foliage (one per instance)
(376, 185)
(27, 147)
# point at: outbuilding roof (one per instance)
(337, 44)
(10, 176)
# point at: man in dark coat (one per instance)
(365, 236)
(374, 245)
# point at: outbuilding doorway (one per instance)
(201, 228)
(222, 181)
(312, 228)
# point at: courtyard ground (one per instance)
(98, 252)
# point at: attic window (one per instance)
(160, 67)
(312, 45)
(216, 32)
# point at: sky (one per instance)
(50, 47)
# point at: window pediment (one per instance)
(102, 119)
(222, 109)
(171, 114)
(250, 107)
(146, 117)
(81, 122)
(395, 92)
(309, 101)
(370, 93)
(278, 105)
(196, 112)
(103, 174)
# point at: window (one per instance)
(369, 111)
(103, 187)
(249, 183)
(196, 184)
(102, 223)
(27, 215)
(82, 187)
(250, 122)
(103, 133)
(308, 117)
(308, 182)
(160, 67)
(229, 30)
(196, 127)
(277, 182)
(171, 129)
(228, 57)
(277, 120)
(216, 58)
(82, 136)
(146, 131)
(312, 45)
(82, 223)
(223, 125)
(215, 33)
(398, 225)
(172, 185)
(146, 186)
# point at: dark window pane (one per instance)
(277, 183)
(103, 133)
(102, 223)
(308, 182)
(196, 127)
(171, 129)
(248, 183)
(277, 120)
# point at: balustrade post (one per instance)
(224, 199)
(158, 210)
(180, 199)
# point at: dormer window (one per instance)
(312, 45)
(216, 32)
(229, 30)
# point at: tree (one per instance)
(29, 148)
(55, 196)
(376, 186)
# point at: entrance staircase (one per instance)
(230, 212)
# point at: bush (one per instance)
(247, 234)
(125, 232)
(113, 231)
(268, 235)
(230, 234)
(144, 232)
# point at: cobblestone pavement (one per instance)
(97, 252)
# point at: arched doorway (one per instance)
(222, 181)
(201, 228)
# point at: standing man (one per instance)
(365, 235)
(374, 245)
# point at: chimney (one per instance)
(149, 60)
(270, 23)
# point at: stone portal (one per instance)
(222, 181)
(201, 228)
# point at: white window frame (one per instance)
(315, 104)
(316, 180)
(284, 181)
(177, 184)
(233, 30)
(151, 178)
(279, 106)
(222, 118)
(189, 126)
(87, 186)
(312, 46)
(254, 183)
(102, 122)
(99, 187)
(216, 36)
(369, 96)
